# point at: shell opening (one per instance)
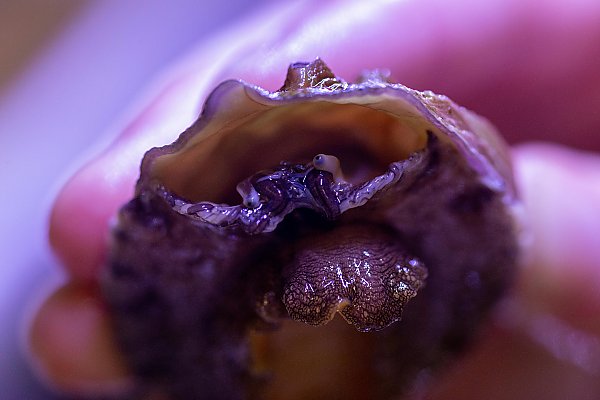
(270, 195)
(364, 139)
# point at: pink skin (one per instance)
(529, 66)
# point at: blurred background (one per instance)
(68, 70)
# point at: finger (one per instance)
(72, 346)
(546, 341)
(509, 365)
(561, 189)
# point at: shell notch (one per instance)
(408, 199)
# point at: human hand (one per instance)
(532, 71)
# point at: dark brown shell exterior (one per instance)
(190, 276)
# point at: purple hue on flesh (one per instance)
(185, 293)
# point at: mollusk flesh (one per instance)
(368, 199)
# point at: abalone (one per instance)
(391, 207)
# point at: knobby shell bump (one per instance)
(276, 211)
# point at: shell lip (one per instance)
(303, 84)
(421, 101)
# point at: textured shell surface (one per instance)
(391, 207)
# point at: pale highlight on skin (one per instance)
(559, 185)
